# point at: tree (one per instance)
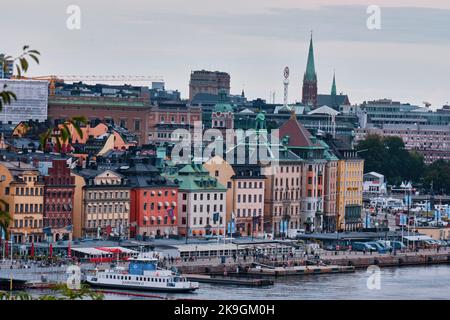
(389, 157)
(63, 132)
(439, 173)
(20, 64)
(5, 218)
(61, 292)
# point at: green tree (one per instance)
(64, 134)
(5, 218)
(389, 157)
(439, 173)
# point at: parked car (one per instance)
(361, 246)
(385, 244)
(398, 245)
(378, 247)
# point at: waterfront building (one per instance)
(349, 190)
(432, 141)
(31, 103)
(79, 216)
(312, 171)
(211, 82)
(202, 201)
(283, 191)
(22, 188)
(106, 204)
(245, 194)
(373, 183)
(59, 200)
(154, 202)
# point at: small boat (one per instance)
(143, 274)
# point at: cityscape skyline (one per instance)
(255, 43)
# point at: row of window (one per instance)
(28, 191)
(248, 198)
(107, 222)
(209, 196)
(208, 207)
(117, 208)
(208, 221)
(166, 193)
(251, 185)
(108, 195)
(28, 223)
(248, 212)
(158, 221)
(57, 223)
(28, 208)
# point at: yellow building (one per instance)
(78, 207)
(222, 171)
(349, 189)
(22, 187)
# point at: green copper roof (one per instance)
(310, 67)
(333, 87)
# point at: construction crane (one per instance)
(53, 79)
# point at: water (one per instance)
(412, 283)
(421, 282)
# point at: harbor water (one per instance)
(415, 282)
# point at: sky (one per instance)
(406, 60)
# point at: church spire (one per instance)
(309, 94)
(333, 87)
(310, 67)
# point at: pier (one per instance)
(228, 280)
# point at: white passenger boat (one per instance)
(143, 274)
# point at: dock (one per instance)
(228, 280)
(299, 270)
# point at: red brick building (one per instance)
(58, 200)
(130, 113)
(154, 202)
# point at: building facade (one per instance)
(154, 202)
(31, 103)
(59, 194)
(211, 82)
(432, 141)
(349, 190)
(202, 201)
(22, 188)
(106, 204)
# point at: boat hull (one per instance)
(139, 288)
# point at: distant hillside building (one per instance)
(211, 82)
(31, 103)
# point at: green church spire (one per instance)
(310, 67)
(333, 87)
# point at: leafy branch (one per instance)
(21, 65)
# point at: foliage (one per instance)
(5, 217)
(438, 173)
(389, 157)
(61, 292)
(62, 133)
(20, 64)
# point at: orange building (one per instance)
(153, 202)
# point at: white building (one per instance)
(31, 103)
(373, 182)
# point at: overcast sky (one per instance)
(408, 59)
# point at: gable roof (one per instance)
(325, 110)
(299, 136)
